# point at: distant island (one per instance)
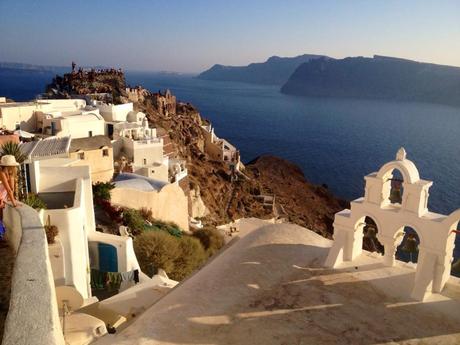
(275, 71)
(380, 77)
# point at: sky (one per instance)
(192, 35)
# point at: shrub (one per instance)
(179, 257)
(211, 239)
(156, 250)
(34, 201)
(192, 256)
(51, 232)
(101, 190)
(133, 220)
(114, 213)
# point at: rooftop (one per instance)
(270, 287)
(134, 181)
(16, 104)
(47, 147)
(91, 143)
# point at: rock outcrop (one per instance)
(275, 71)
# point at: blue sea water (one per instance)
(334, 141)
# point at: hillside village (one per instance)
(110, 173)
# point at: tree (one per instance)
(13, 149)
(155, 250)
(192, 256)
(101, 190)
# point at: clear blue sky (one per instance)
(192, 35)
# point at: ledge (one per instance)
(33, 314)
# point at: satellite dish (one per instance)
(68, 299)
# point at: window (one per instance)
(17, 126)
(145, 161)
(105, 152)
(90, 134)
(81, 155)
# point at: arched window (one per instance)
(408, 250)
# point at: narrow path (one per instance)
(7, 258)
(232, 195)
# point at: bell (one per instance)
(410, 246)
(456, 268)
(370, 231)
(395, 196)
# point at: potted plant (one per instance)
(50, 230)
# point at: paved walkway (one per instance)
(6, 269)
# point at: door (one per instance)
(108, 261)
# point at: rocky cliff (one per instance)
(275, 71)
(376, 78)
(269, 186)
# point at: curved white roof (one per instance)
(134, 181)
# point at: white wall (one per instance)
(63, 179)
(22, 113)
(33, 315)
(139, 150)
(76, 126)
(73, 237)
(64, 104)
(112, 112)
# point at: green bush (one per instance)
(156, 250)
(133, 220)
(211, 239)
(34, 201)
(179, 257)
(192, 256)
(101, 190)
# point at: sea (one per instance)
(336, 142)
